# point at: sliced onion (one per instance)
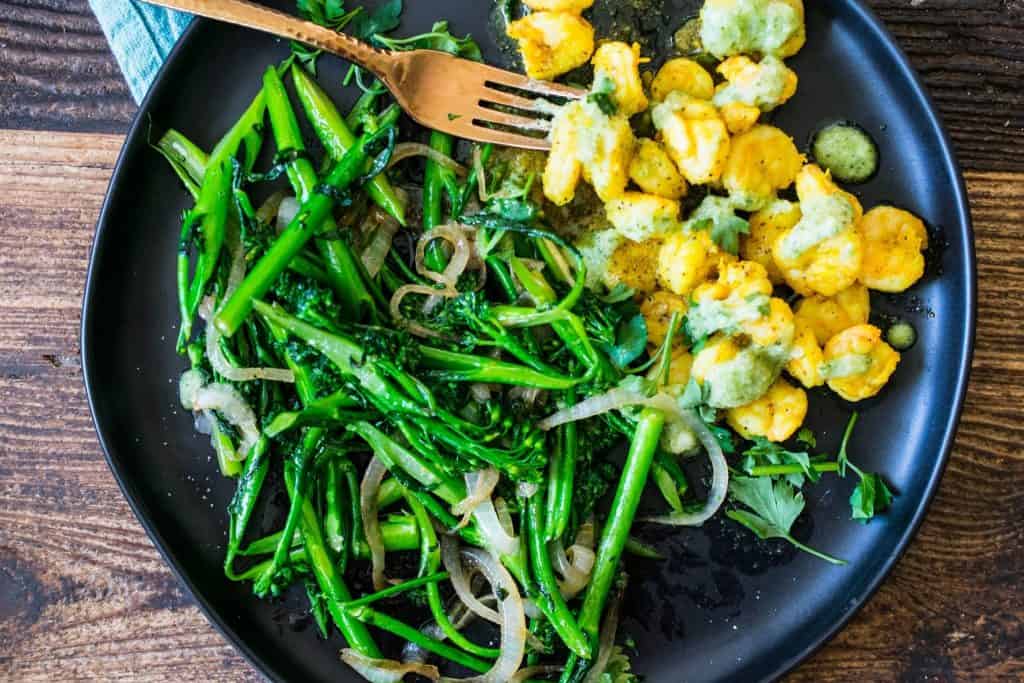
(480, 486)
(498, 532)
(385, 227)
(386, 670)
(204, 423)
(592, 407)
(268, 209)
(606, 641)
(188, 388)
(287, 210)
(719, 477)
(481, 392)
(226, 400)
(411, 325)
(368, 490)
(585, 535)
(454, 235)
(220, 363)
(527, 489)
(405, 150)
(575, 571)
(237, 272)
(564, 270)
(528, 395)
(481, 177)
(533, 671)
(513, 618)
(461, 581)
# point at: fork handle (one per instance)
(251, 15)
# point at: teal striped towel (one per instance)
(140, 36)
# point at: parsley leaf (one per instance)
(871, 496)
(806, 437)
(630, 342)
(774, 507)
(329, 13)
(765, 452)
(439, 38)
(604, 102)
(726, 233)
(383, 19)
(718, 216)
(695, 397)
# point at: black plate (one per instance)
(723, 607)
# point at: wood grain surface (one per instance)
(83, 593)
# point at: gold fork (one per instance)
(438, 90)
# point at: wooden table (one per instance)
(83, 593)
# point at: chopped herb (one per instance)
(604, 102)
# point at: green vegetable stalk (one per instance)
(311, 215)
(210, 213)
(337, 139)
(550, 598)
(344, 276)
(620, 518)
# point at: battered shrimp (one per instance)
(775, 416)
(893, 243)
(858, 363)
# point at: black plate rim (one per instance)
(138, 132)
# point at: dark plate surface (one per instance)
(723, 607)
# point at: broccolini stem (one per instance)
(336, 522)
(187, 160)
(550, 599)
(451, 366)
(620, 518)
(243, 502)
(337, 138)
(430, 563)
(311, 215)
(398, 532)
(213, 204)
(561, 478)
(397, 589)
(297, 492)
(347, 356)
(348, 285)
(327, 576)
(412, 635)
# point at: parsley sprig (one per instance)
(773, 507)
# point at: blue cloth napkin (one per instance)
(140, 36)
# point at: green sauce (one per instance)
(849, 365)
(747, 26)
(847, 151)
(596, 249)
(708, 317)
(824, 217)
(747, 377)
(901, 336)
(766, 92)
